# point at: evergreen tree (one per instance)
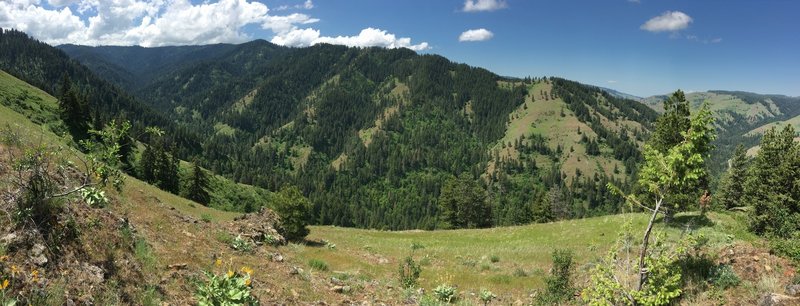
(731, 185)
(771, 188)
(295, 212)
(198, 186)
(463, 204)
(74, 110)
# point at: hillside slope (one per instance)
(371, 135)
(741, 118)
(149, 246)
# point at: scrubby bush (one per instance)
(724, 277)
(409, 273)
(559, 286)
(487, 296)
(295, 212)
(241, 244)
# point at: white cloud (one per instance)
(716, 40)
(669, 21)
(369, 37)
(305, 6)
(484, 5)
(612, 81)
(173, 22)
(476, 35)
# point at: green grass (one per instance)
(463, 254)
(33, 103)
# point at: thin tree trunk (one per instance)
(645, 242)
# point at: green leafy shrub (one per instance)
(206, 218)
(295, 212)
(445, 293)
(487, 296)
(241, 244)
(409, 273)
(494, 258)
(226, 289)
(724, 277)
(787, 247)
(318, 264)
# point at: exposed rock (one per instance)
(179, 266)
(10, 240)
(37, 255)
(296, 270)
(277, 257)
(775, 299)
(341, 289)
(261, 227)
(40, 260)
(95, 274)
(793, 290)
(336, 281)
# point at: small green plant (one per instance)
(487, 296)
(558, 283)
(241, 244)
(318, 264)
(445, 293)
(486, 267)
(723, 277)
(270, 239)
(494, 258)
(206, 218)
(94, 197)
(230, 288)
(224, 237)
(409, 273)
(520, 272)
(416, 246)
(330, 245)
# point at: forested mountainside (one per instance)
(373, 135)
(741, 118)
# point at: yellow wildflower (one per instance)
(218, 262)
(247, 282)
(229, 274)
(5, 284)
(247, 270)
(14, 270)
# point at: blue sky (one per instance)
(692, 45)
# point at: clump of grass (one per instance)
(520, 272)
(494, 258)
(145, 255)
(224, 237)
(500, 279)
(206, 218)
(318, 264)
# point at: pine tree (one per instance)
(771, 189)
(731, 185)
(463, 204)
(74, 110)
(295, 212)
(198, 186)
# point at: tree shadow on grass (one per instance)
(690, 221)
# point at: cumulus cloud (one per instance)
(667, 22)
(484, 5)
(153, 23)
(369, 37)
(476, 35)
